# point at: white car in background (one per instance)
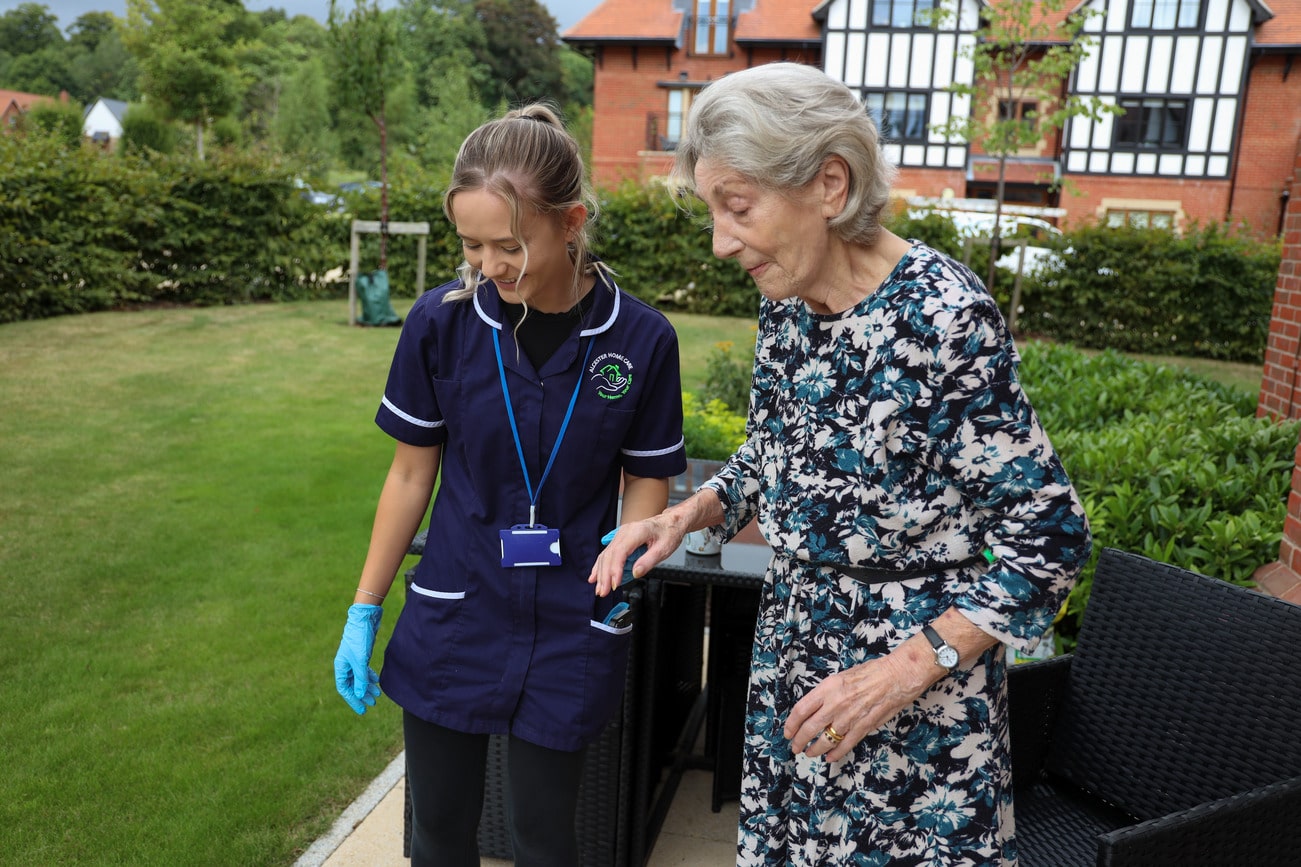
(1012, 227)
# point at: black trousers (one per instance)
(446, 769)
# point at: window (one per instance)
(711, 26)
(679, 105)
(1166, 14)
(901, 13)
(899, 116)
(1017, 109)
(1140, 219)
(1156, 124)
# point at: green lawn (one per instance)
(185, 501)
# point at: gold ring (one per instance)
(832, 735)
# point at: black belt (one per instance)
(872, 575)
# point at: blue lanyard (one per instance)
(514, 429)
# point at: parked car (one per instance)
(358, 186)
(1012, 227)
(316, 197)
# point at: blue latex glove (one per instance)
(632, 558)
(353, 676)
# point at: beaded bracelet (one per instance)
(368, 593)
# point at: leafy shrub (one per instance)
(1206, 293)
(1168, 465)
(727, 376)
(663, 254)
(712, 431)
(143, 132)
(62, 120)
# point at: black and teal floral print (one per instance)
(895, 435)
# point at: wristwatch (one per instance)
(945, 656)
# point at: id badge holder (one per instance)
(525, 545)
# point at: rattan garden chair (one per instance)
(1172, 735)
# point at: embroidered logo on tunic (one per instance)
(612, 374)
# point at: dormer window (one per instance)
(1166, 14)
(711, 26)
(904, 14)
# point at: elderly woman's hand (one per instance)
(860, 700)
(660, 535)
(842, 710)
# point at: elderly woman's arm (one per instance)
(996, 453)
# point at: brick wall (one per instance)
(630, 86)
(1280, 396)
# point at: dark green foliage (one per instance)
(1168, 465)
(728, 372)
(1206, 293)
(663, 254)
(62, 120)
(82, 231)
(144, 131)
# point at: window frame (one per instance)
(1140, 123)
(717, 29)
(1125, 217)
(892, 8)
(923, 114)
(685, 97)
(1151, 8)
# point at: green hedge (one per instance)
(83, 230)
(662, 252)
(1168, 465)
(1205, 293)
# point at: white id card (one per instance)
(523, 545)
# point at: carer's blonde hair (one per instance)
(777, 124)
(529, 159)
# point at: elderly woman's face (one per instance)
(780, 240)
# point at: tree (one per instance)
(1023, 53)
(186, 67)
(100, 63)
(442, 39)
(28, 29)
(302, 124)
(367, 66)
(522, 51)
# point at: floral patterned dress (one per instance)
(895, 435)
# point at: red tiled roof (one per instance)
(766, 21)
(1284, 28)
(24, 100)
(779, 21)
(628, 19)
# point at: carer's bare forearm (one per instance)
(643, 497)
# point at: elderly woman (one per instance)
(918, 515)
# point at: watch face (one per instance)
(947, 657)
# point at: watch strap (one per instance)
(939, 644)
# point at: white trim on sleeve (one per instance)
(652, 453)
(418, 422)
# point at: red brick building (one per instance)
(1211, 91)
(14, 104)
(652, 56)
(1280, 390)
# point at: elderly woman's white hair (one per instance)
(776, 125)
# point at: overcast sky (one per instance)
(566, 12)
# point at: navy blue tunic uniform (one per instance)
(483, 648)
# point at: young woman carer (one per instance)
(918, 515)
(535, 386)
